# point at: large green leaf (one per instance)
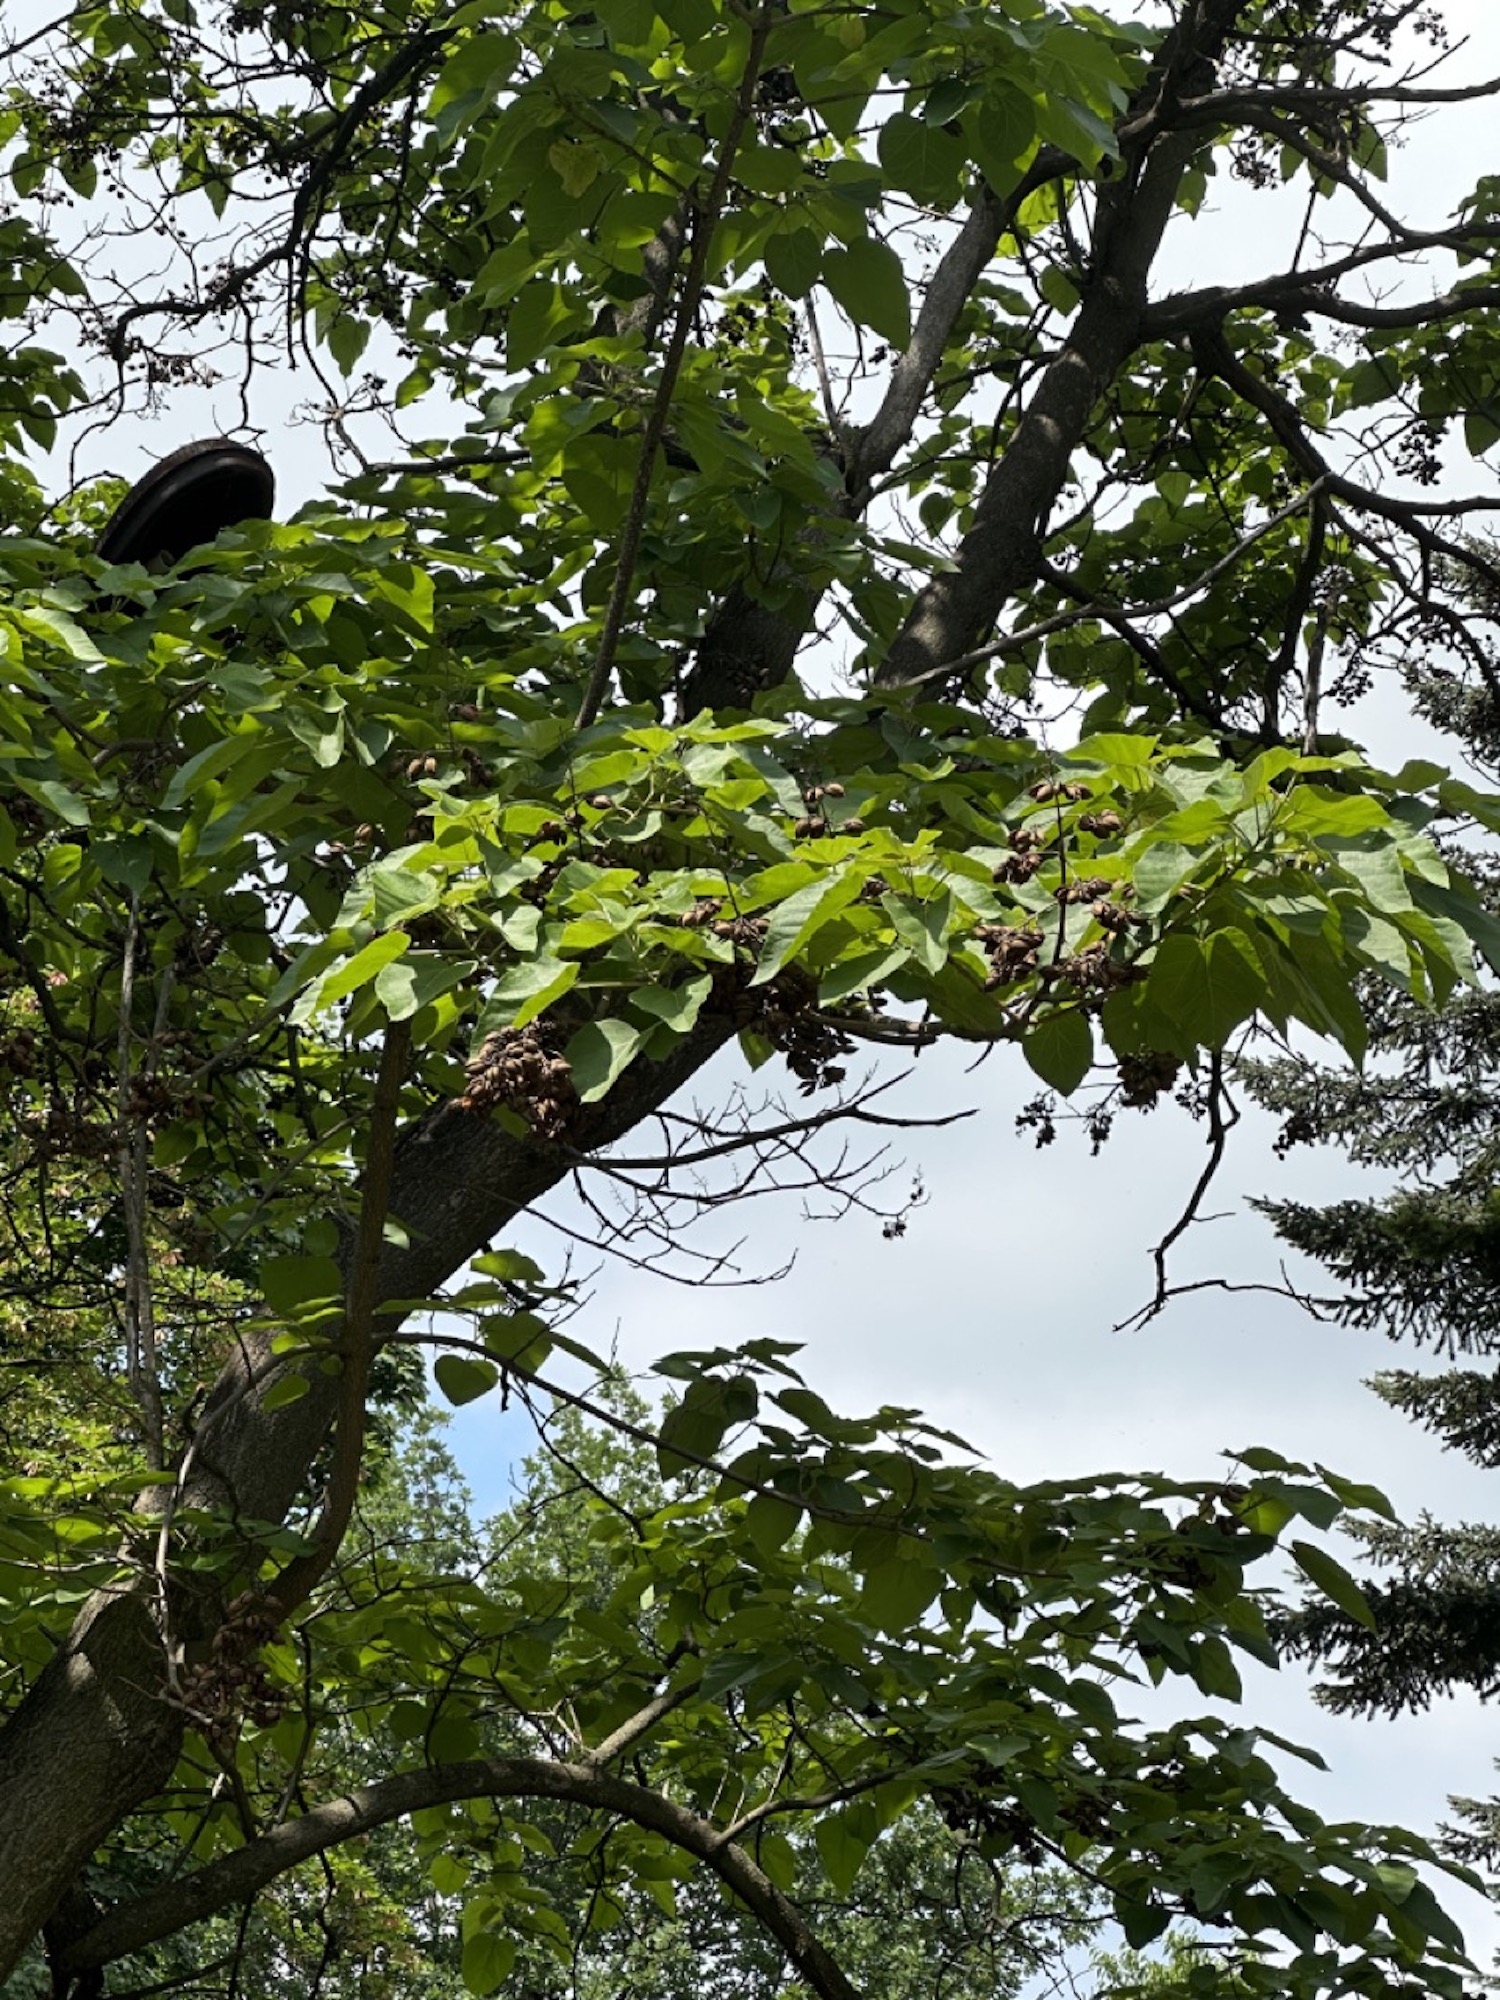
(868, 282)
(1205, 987)
(1060, 1048)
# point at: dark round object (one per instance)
(186, 500)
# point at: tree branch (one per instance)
(640, 1724)
(998, 555)
(408, 58)
(704, 224)
(236, 1877)
(948, 293)
(1128, 614)
(94, 1735)
(297, 1580)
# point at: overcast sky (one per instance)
(996, 1311)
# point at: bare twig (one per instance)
(1223, 1116)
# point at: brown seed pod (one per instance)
(1019, 868)
(1043, 792)
(854, 824)
(602, 802)
(833, 791)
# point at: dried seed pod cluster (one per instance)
(232, 1686)
(784, 1013)
(1018, 867)
(66, 1133)
(1093, 970)
(1085, 889)
(815, 822)
(522, 1070)
(1012, 951)
(1143, 1079)
(1047, 790)
(746, 931)
(199, 947)
(18, 1053)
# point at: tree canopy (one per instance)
(790, 576)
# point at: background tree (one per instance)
(1418, 1265)
(367, 877)
(926, 1914)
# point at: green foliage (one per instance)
(1419, 1263)
(302, 840)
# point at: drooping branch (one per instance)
(237, 1877)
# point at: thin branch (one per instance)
(948, 293)
(303, 1572)
(1320, 1309)
(1220, 1126)
(1303, 591)
(765, 1135)
(640, 1724)
(1312, 693)
(131, 1153)
(820, 368)
(232, 287)
(704, 224)
(1030, 635)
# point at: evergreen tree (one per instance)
(1422, 1265)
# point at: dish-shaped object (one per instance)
(186, 500)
